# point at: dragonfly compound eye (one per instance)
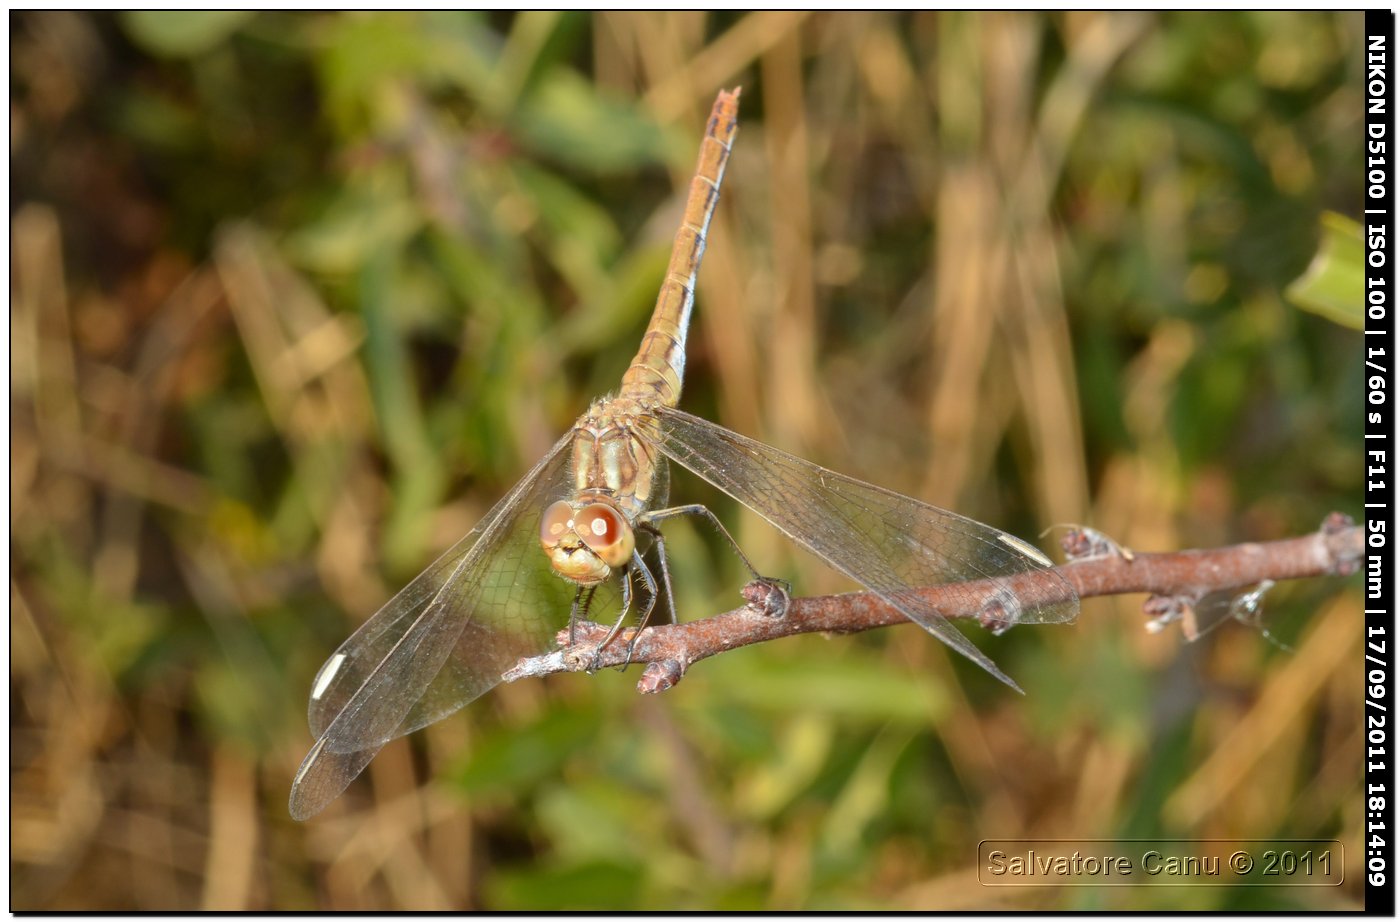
(555, 524)
(606, 532)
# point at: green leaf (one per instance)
(582, 237)
(802, 750)
(365, 54)
(182, 33)
(365, 220)
(419, 479)
(577, 888)
(617, 310)
(1334, 283)
(594, 820)
(854, 687)
(513, 758)
(234, 706)
(865, 796)
(569, 121)
(111, 633)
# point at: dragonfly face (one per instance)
(586, 540)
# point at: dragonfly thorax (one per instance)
(587, 539)
(613, 454)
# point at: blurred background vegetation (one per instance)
(295, 298)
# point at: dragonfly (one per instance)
(567, 535)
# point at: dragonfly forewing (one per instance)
(890, 543)
(441, 642)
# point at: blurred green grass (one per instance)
(296, 297)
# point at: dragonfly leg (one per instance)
(651, 518)
(650, 581)
(583, 598)
(665, 570)
(622, 616)
(777, 591)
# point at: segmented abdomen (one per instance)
(659, 366)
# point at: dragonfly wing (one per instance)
(888, 542)
(441, 642)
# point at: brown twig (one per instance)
(1098, 568)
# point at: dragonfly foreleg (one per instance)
(778, 590)
(642, 570)
(660, 544)
(583, 598)
(622, 616)
(636, 566)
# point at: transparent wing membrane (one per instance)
(890, 543)
(441, 642)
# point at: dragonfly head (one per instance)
(587, 540)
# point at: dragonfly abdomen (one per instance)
(659, 367)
